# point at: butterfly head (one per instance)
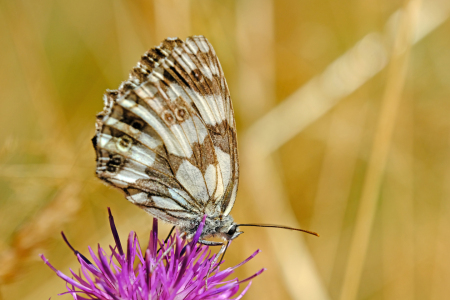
(231, 232)
(224, 228)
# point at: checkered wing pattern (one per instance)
(167, 136)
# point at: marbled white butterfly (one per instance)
(167, 138)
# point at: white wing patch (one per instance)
(225, 165)
(208, 116)
(179, 196)
(142, 155)
(103, 139)
(181, 138)
(139, 198)
(189, 130)
(172, 214)
(166, 203)
(214, 109)
(192, 47)
(192, 179)
(232, 200)
(211, 179)
(201, 129)
(127, 176)
(203, 46)
(220, 187)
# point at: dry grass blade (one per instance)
(42, 94)
(33, 234)
(342, 77)
(335, 182)
(380, 150)
(261, 178)
(259, 175)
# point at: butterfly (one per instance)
(167, 138)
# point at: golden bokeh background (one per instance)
(343, 122)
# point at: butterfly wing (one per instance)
(167, 136)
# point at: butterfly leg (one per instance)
(209, 243)
(214, 265)
(223, 255)
(221, 252)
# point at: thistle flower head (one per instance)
(177, 269)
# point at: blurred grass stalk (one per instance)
(256, 80)
(260, 175)
(395, 82)
(42, 95)
(309, 103)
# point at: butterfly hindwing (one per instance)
(167, 136)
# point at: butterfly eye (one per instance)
(136, 124)
(232, 230)
(124, 143)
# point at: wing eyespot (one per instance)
(111, 169)
(124, 143)
(168, 117)
(114, 163)
(197, 74)
(138, 125)
(181, 113)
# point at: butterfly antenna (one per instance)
(279, 226)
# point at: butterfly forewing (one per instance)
(167, 136)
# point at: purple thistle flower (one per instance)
(173, 272)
